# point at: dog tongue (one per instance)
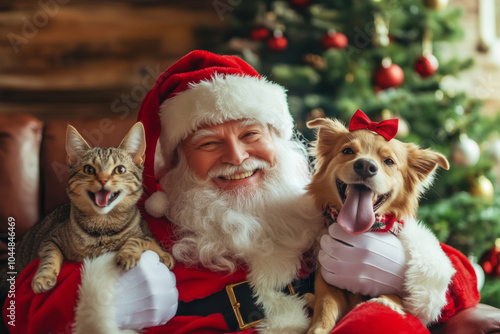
(357, 214)
(101, 197)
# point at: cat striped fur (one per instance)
(104, 185)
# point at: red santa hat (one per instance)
(200, 89)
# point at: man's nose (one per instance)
(235, 152)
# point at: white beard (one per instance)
(220, 229)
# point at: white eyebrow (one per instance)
(249, 121)
(200, 134)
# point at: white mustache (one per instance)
(248, 165)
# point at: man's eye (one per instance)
(252, 136)
(208, 143)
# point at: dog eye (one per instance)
(348, 151)
(389, 162)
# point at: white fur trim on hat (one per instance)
(223, 98)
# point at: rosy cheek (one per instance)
(270, 152)
(202, 164)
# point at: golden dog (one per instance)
(382, 176)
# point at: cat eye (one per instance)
(88, 169)
(119, 170)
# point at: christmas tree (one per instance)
(390, 59)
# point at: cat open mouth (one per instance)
(103, 198)
(343, 189)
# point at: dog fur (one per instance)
(404, 172)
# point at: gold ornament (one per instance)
(403, 128)
(436, 4)
(315, 61)
(271, 16)
(483, 188)
(381, 31)
(315, 113)
(387, 114)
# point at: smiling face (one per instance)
(232, 154)
(104, 178)
(368, 174)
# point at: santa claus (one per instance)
(224, 181)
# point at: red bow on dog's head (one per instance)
(387, 129)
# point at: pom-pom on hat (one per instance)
(201, 89)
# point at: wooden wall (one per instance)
(78, 58)
(69, 58)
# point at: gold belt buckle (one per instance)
(236, 305)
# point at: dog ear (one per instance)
(327, 134)
(423, 164)
(327, 123)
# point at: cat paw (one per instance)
(167, 260)
(127, 260)
(43, 282)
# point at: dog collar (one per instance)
(383, 223)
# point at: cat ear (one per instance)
(134, 143)
(75, 144)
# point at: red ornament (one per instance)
(490, 261)
(336, 40)
(426, 65)
(301, 4)
(277, 43)
(259, 33)
(389, 75)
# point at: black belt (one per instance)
(237, 303)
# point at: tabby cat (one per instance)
(104, 186)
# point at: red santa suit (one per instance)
(66, 307)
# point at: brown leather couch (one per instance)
(33, 168)
(33, 179)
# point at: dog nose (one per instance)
(365, 168)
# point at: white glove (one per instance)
(372, 263)
(147, 295)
